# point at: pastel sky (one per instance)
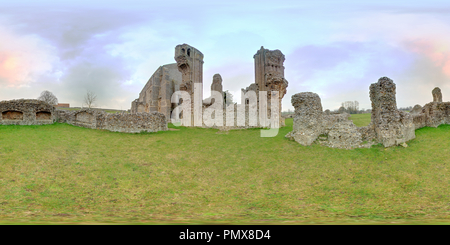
(333, 48)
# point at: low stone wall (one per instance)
(26, 112)
(117, 122)
(433, 114)
(134, 123)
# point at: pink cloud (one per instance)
(22, 58)
(438, 54)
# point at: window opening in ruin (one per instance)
(189, 52)
(12, 115)
(182, 50)
(43, 115)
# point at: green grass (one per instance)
(361, 120)
(68, 109)
(65, 174)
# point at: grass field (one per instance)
(360, 120)
(65, 174)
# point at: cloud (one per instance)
(22, 58)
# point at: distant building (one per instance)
(63, 105)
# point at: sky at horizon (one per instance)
(333, 48)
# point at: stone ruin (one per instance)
(188, 71)
(416, 109)
(156, 94)
(26, 112)
(432, 114)
(437, 95)
(311, 124)
(37, 112)
(269, 76)
(388, 125)
(116, 122)
(392, 126)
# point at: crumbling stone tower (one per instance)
(217, 83)
(190, 64)
(392, 126)
(269, 73)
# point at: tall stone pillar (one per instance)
(392, 126)
(190, 64)
(269, 74)
(437, 95)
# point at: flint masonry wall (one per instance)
(392, 126)
(311, 124)
(26, 112)
(118, 122)
(388, 125)
(432, 114)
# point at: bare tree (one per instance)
(227, 97)
(351, 107)
(90, 98)
(48, 97)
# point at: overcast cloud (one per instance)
(334, 49)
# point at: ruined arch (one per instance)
(85, 117)
(12, 115)
(43, 115)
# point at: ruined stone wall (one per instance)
(157, 93)
(436, 113)
(312, 124)
(388, 125)
(392, 126)
(117, 122)
(269, 75)
(26, 112)
(133, 123)
(432, 114)
(190, 64)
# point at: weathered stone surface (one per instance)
(157, 93)
(388, 126)
(215, 86)
(190, 64)
(416, 109)
(269, 76)
(344, 134)
(117, 122)
(436, 113)
(437, 95)
(310, 124)
(26, 112)
(392, 126)
(217, 83)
